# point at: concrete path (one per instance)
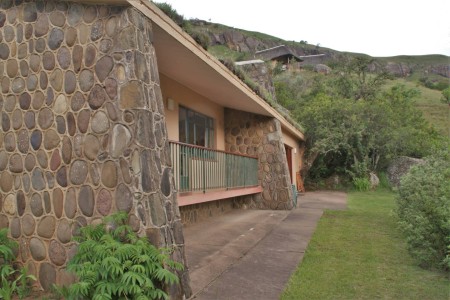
(250, 254)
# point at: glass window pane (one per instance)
(195, 128)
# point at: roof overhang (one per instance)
(183, 60)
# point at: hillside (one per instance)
(430, 74)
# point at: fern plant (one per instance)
(12, 281)
(112, 262)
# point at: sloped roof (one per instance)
(276, 53)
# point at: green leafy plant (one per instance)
(423, 210)
(12, 281)
(361, 184)
(112, 262)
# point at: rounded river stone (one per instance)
(51, 139)
(17, 119)
(90, 55)
(30, 162)
(23, 142)
(71, 36)
(109, 174)
(71, 124)
(28, 224)
(35, 62)
(61, 176)
(15, 228)
(77, 101)
(104, 202)
(74, 14)
(124, 198)
(4, 158)
(100, 122)
(20, 202)
(48, 60)
(103, 67)
(25, 101)
(60, 106)
(70, 203)
(30, 120)
(9, 204)
(41, 26)
(57, 18)
(55, 160)
(78, 172)
(42, 158)
(36, 139)
(64, 57)
(91, 146)
(70, 82)
(55, 39)
(46, 227)
(56, 79)
(47, 276)
(37, 249)
(58, 202)
(60, 124)
(86, 200)
(97, 97)
(86, 80)
(37, 179)
(16, 163)
(63, 232)
(83, 120)
(57, 253)
(36, 205)
(66, 150)
(45, 118)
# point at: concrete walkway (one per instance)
(250, 254)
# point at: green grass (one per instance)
(360, 254)
(429, 102)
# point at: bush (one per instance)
(112, 262)
(12, 281)
(361, 184)
(423, 209)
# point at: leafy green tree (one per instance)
(446, 96)
(423, 210)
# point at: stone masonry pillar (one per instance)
(83, 131)
(252, 134)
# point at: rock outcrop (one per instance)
(399, 167)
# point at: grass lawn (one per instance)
(360, 254)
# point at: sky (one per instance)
(378, 28)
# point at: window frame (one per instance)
(191, 122)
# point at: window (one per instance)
(196, 128)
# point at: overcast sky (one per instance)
(377, 28)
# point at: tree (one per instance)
(352, 125)
(446, 96)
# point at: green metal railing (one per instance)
(202, 169)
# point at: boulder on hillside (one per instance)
(324, 69)
(374, 180)
(399, 167)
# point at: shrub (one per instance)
(112, 262)
(423, 209)
(12, 281)
(171, 12)
(384, 181)
(361, 184)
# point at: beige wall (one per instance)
(291, 141)
(190, 99)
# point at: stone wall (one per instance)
(194, 213)
(251, 134)
(83, 131)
